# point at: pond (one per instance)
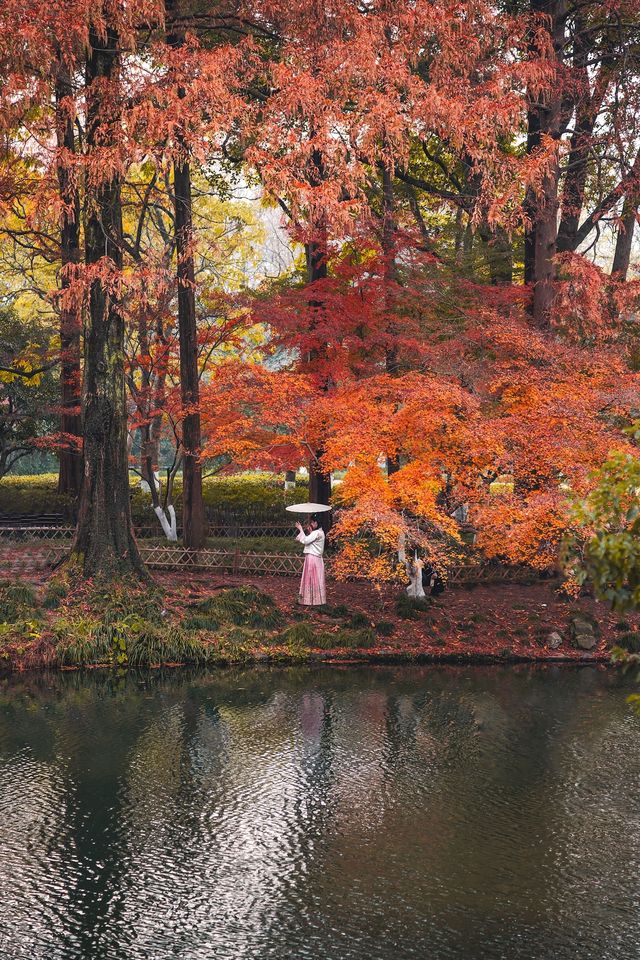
(320, 814)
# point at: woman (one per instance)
(313, 591)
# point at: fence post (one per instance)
(236, 560)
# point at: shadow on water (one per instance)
(315, 812)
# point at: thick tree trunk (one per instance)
(624, 240)
(70, 470)
(193, 517)
(104, 541)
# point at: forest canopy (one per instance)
(389, 241)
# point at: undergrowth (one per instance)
(241, 607)
(410, 608)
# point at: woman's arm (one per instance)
(308, 537)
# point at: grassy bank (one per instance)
(207, 623)
(120, 627)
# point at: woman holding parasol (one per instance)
(313, 591)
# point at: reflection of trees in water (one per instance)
(83, 733)
(247, 805)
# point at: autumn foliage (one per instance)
(444, 333)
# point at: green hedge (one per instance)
(241, 494)
(34, 494)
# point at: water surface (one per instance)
(320, 814)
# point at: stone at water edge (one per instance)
(584, 632)
(555, 640)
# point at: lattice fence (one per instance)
(230, 561)
(40, 547)
(15, 531)
(26, 533)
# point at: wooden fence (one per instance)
(42, 548)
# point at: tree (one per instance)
(193, 517)
(591, 105)
(104, 538)
(605, 546)
(27, 390)
(70, 471)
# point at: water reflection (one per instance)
(388, 813)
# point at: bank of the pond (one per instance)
(201, 619)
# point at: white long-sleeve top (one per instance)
(313, 542)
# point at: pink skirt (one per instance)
(313, 591)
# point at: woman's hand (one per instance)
(299, 527)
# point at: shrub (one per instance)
(483, 618)
(17, 600)
(241, 494)
(364, 639)
(299, 637)
(623, 625)
(33, 495)
(358, 620)
(351, 639)
(630, 642)
(236, 645)
(132, 641)
(341, 610)
(81, 642)
(385, 628)
(118, 602)
(409, 608)
(57, 590)
(242, 607)
(154, 645)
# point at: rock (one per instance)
(555, 640)
(584, 631)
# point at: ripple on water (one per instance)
(314, 815)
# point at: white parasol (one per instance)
(308, 508)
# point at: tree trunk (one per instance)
(70, 470)
(319, 482)
(533, 143)
(390, 279)
(624, 240)
(546, 234)
(104, 541)
(575, 184)
(193, 517)
(542, 207)
(498, 253)
(588, 103)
